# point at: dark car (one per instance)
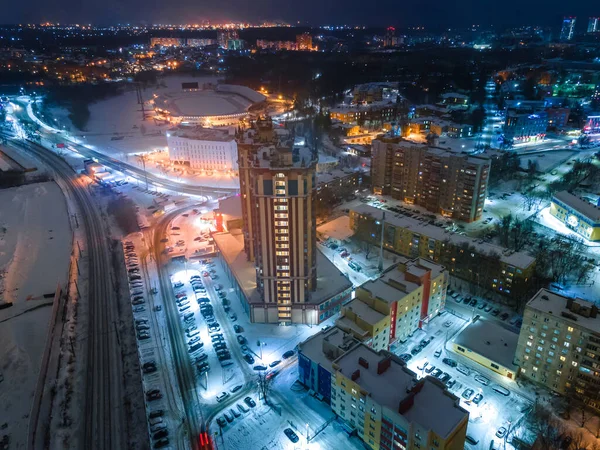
(241, 339)
(222, 422)
(467, 394)
(249, 358)
(405, 357)
(251, 403)
(153, 394)
(449, 362)
(504, 316)
(495, 312)
(160, 434)
(161, 443)
(477, 399)
(156, 413)
(259, 367)
(291, 435)
(237, 328)
(288, 354)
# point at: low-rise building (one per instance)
(484, 264)
(378, 396)
(376, 113)
(489, 344)
(203, 148)
(523, 125)
(577, 214)
(559, 346)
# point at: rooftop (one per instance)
(201, 103)
(326, 346)
(431, 406)
(285, 157)
(201, 133)
(421, 226)
(580, 205)
(338, 228)
(491, 340)
(555, 304)
(330, 281)
(364, 312)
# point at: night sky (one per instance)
(430, 13)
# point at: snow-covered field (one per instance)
(35, 244)
(546, 161)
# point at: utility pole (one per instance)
(381, 243)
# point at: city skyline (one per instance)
(461, 14)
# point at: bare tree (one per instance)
(548, 430)
(264, 385)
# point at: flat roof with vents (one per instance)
(491, 340)
(578, 204)
(572, 310)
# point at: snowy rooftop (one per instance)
(517, 259)
(579, 204)
(555, 304)
(364, 311)
(284, 157)
(454, 95)
(201, 134)
(330, 281)
(356, 108)
(231, 206)
(326, 346)
(393, 284)
(435, 408)
(334, 174)
(338, 228)
(432, 407)
(490, 339)
(202, 103)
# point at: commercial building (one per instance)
(525, 124)
(559, 346)
(567, 32)
(316, 356)
(558, 117)
(593, 25)
(577, 214)
(397, 304)
(453, 99)
(203, 148)
(486, 265)
(489, 344)
(592, 123)
(379, 397)
(451, 184)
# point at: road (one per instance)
(25, 115)
(103, 397)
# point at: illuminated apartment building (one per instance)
(559, 346)
(397, 304)
(451, 184)
(378, 396)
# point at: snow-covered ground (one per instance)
(546, 161)
(35, 246)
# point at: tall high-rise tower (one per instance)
(568, 29)
(594, 25)
(278, 186)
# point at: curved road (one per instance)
(103, 411)
(124, 167)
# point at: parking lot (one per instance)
(478, 388)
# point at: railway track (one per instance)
(103, 410)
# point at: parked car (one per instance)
(260, 367)
(288, 354)
(249, 358)
(449, 362)
(477, 399)
(241, 339)
(274, 363)
(467, 393)
(291, 435)
(222, 396)
(501, 432)
(250, 402)
(222, 422)
(237, 328)
(153, 394)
